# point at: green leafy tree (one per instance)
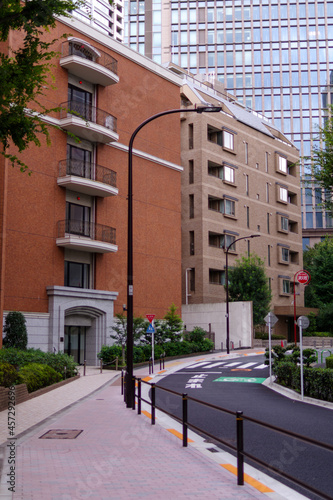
(318, 261)
(24, 72)
(120, 331)
(248, 282)
(15, 331)
(173, 324)
(321, 160)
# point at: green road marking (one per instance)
(252, 380)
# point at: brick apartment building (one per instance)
(63, 259)
(240, 178)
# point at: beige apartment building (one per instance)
(241, 178)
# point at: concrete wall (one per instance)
(213, 316)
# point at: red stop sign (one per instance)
(303, 277)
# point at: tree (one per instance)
(321, 160)
(120, 329)
(248, 281)
(173, 324)
(24, 72)
(15, 331)
(318, 261)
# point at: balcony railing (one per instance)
(88, 113)
(88, 171)
(76, 48)
(97, 232)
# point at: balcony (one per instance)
(87, 178)
(86, 236)
(83, 60)
(88, 122)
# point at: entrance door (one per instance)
(75, 342)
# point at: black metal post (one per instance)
(133, 402)
(129, 358)
(240, 448)
(122, 382)
(152, 404)
(227, 283)
(139, 396)
(185, 417)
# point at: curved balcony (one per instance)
(85, 61)
(87, 178)
(88, 122)
(86, 236)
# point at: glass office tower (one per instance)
(276, 56)
(107, 18)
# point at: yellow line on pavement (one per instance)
(146, 379)
(179, 435)
(146, 413)
(248, 479)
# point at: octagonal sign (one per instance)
(303, 277)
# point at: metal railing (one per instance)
(88, 52)
(89, 113)
(97, 232)
(239, 420)
(88, 170)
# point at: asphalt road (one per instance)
(236, 385)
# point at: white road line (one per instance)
(195, 365)
(233, 364)
(260, 367)
(215, 364)
(247, 365)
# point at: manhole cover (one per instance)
(61, 434)
(213, 450)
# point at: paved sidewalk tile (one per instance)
(118, 454)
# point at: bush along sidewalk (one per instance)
(318, 382)
(193, 342)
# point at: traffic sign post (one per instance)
(303, 277)
(303, 322)
(151, 330)
(270, 319)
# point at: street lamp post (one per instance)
(129, 381)
(227, 281)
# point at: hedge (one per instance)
(37, 376)
(60, 362)
(9, 375)
(143, 353)
(318, 382)
(329, 362)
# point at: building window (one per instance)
(247, 185)
(191, 242)
(76, 274)
(269, 255)
(285, 254)
(214, 135)
(191, 171)
(284, 221)
(228, 140)
(77, 219)
(246, 153)
(216, 277)
(267, 192)
(229, 207)
(215, 169)
(192, 280)
(266, 161)
(78, 162)
(286, 287)
(282, 164)
(268, 224)
(282, 194)
(229, 174)
(190, 136)
(248, 217)
(191, 206)
(221, 240)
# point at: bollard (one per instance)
(152, 404)
(122, 382)
(240, 448)
(101, 366)
(65, 370)
(222, 346)
(184, 396)
(116, 363)
(133, 402)
(84, 368)
(139, 396)
(150, 363)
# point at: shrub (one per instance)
(329, 362)
(62, 363)
(37, 376)
(109, 353)
(15, 331)
(9, 375)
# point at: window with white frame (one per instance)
(286, 288)
(285, 255)
(216, 277)
(228, 174)
(282, 164)
(229, 207)
(284, 223)
(283, 194)
(228, 140)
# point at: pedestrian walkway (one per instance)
(80, 441)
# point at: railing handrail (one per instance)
(88, 112)
(89, 169)
(239, 447)
(86, 51)
(92, 230)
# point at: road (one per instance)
(237, 385)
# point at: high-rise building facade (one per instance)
(274, 55)
(105, 16)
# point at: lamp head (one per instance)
(207, 109)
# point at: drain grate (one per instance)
(61, 434)
(213, 450)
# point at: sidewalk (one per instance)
(100, 449)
